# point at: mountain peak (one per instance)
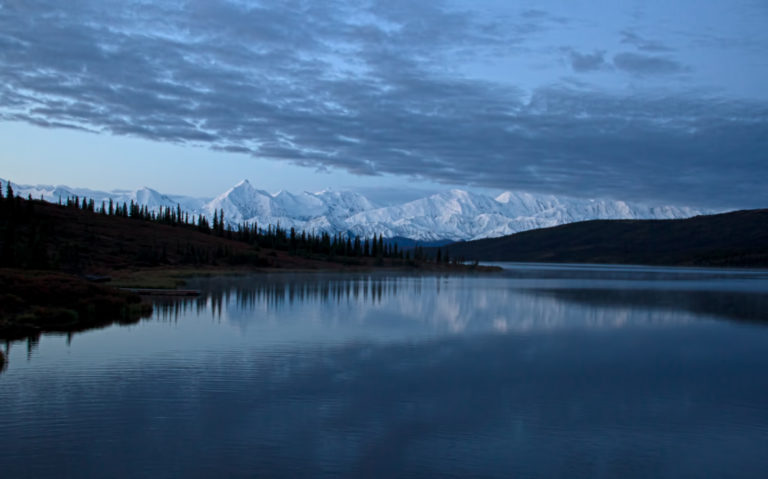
(509, 196)
(451, 214)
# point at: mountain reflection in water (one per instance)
(535, 372)
(457, 304)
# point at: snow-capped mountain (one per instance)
(450, 215)
(461, 215)
(144, 196)
(323, 211)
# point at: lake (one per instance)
(538, 371)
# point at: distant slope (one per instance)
(739, 238)
(72, 238)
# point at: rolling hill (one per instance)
(738, 238)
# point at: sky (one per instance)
(651, 101)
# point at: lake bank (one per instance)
(35, 302)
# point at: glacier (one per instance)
(452, 215)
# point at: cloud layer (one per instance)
(372, 87)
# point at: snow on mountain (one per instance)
(342, 204)
(151, 198)
(144, 196)
(450, 215)
(460, 215)
(243, 202)
(323, 211)
(304, 206)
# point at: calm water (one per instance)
(540, 371)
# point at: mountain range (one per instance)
(453, 215)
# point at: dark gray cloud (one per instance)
(367, 87)
(640, 64)
(586, 62)
(631, 38)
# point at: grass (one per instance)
(33, 302)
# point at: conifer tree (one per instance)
(357, 249)
(293, 239)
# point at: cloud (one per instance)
(640, 64)
(295, 80)
(641, 43)
(586, 62)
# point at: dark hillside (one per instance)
(80, 238)
(40, 235)
(739, 238)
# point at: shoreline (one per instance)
(171, 278)
(36, 302)
(33, 302)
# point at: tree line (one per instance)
(309, 244)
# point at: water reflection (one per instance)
(457, 304)
(385, 307)
(612, 272)
(734, 305)
(515, 375)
